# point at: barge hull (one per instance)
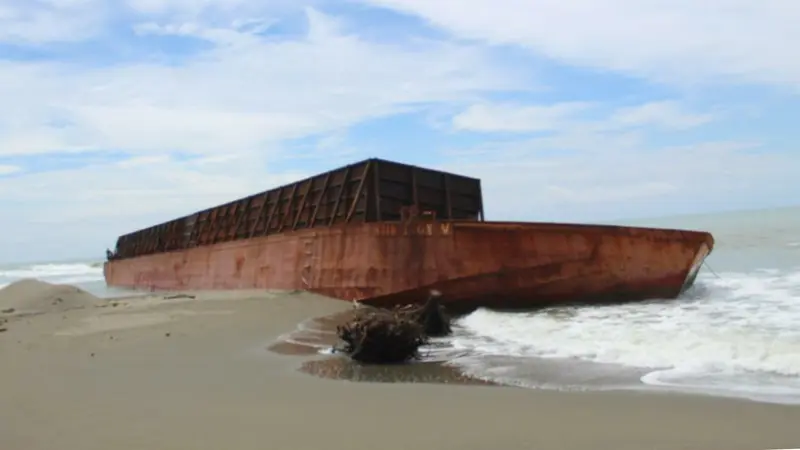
(473, 263)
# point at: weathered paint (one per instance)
(472, 263)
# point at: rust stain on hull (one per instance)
(473, 263)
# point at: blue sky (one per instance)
(119, 114)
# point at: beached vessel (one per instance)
(386, 233)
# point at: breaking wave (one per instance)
(734, 335)
(64, 273)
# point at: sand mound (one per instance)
(29, 296)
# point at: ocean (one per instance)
(86, 274)
(735, 333)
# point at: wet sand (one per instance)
(197, 373)
(316, 337)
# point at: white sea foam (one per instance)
(737, 334)
(88, 275)
(70, 273)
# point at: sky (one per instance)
(116, 115)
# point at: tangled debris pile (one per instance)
(376, 335)
(432, 316)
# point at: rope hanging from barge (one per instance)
(705, 263)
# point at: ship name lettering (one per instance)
(425, 229)
(420, 229)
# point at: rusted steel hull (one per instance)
(473, 263)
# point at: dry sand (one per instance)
(195, 373)
(33, 296)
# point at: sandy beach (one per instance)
(195, 372)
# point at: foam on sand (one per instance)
(34, 296)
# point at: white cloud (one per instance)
(508, 117)
(6, 169)
(609, 194)
(680, 41)
(604, 177)
(45, 21)
(232, 98)
(39, 22)
(219, 9)
(664, 114)
(147, 186)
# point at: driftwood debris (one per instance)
(432, 316)
(177, 296)
(376, 335)
(381, 336)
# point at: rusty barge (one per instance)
(385, 233)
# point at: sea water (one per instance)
(86, 274)
(735, 333)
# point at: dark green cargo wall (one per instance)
(450, 196)
(367, 191)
